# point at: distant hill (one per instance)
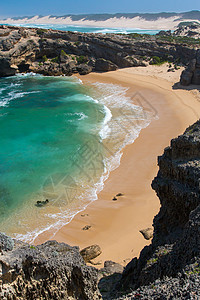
(190, 15)
(156, 21)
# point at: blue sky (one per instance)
(61, 7)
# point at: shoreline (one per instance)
(118, 222)
(136, 22)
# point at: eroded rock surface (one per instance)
(170, 267)
(48, 271)
(191, 75)
(53, 52)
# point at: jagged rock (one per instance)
(111, 267)
(191, 75)
(147, 233)
(170, 267)
(84, 69)
(5, 67)
(48, 271)
(90, 252)
(104, 65)
(28, 49)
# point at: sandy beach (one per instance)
(115, 225)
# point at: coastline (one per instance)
(118, 222)
(137, 22)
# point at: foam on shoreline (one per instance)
(123, 120)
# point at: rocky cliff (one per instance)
(170, 267)
(167, 269)
(191, 75)
(49, 271)
(53, 52)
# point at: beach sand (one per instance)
(115, 225)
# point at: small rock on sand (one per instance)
(86, 227)
(119, 195)
(147, 233)
(114, 198)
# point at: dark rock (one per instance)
(114, 199)
(186, 78)
(53, 52)
(87, 227)
(84, 69)
(119, 195)
(42, 203)
(90, 252)
(191, 75)
(170, 267)
(5, 67)
(104, 65)
(111, 267)
(48, 271)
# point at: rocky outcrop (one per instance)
(90, 252)
(53, 52)
(170, 267)
(48, 271)
(191, 75)
(191, 31)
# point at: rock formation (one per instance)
(49, 271)
(53, 52)
(170, 267)
(191, 75)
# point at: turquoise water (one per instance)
(59, 141)
(88, 28)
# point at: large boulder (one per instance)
(6, 69)
(90, 252)
(104, 65)
(84, 69)
(191, 75)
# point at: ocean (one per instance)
(59, 141)
(77, 28)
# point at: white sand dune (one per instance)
(123, 22)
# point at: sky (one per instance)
(62, 7)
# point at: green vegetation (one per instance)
(44, 58)
(63, 53)
(40, 64)
(55, 60)
(157, 61)
(179, 40)
(41, 31)
(81, 59)
(77, 43)
(32, 247)
(152, 261)
(196, 270)
(164, 38)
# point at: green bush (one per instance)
(55, 60)
(44, 58)
(157, 61)
(41, 31)
(81, 59)
(77, 43)
(63, 52)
